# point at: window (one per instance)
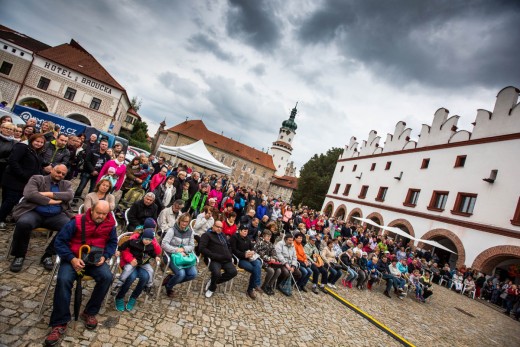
(373, 167)
(336, 189)
(438, 201)
(381, 194)
(388, 164)
(234, 163)
(254, 170)
(347, 189)
(425, 163)
(95, 103)
(460, 161)
(244, 167)
(44, 83)
(464, 204)
(354, 168)
(516, 217)
(412, 197)
(341, 170)
(6, 68)
(70, 93)
(130, 119)
(363, 192)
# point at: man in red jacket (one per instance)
(98, 227)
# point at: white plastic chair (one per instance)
(471, 293)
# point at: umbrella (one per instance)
(78, 292)
(398, 231)
(368, 221)
(436, 244)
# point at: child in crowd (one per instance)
(199, 199)
(457, 281)
(146, 181)
(136, 252)
(111, 176)
(185, 192)
(415, 280)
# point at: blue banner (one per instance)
(68, 126)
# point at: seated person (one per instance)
(399, 281)
(457, 280)
(317, 265)
(487, 290)
(169, 215)
(272, 264)
(304, 264)
(100, 231)
(135, 262)
(469, 285)
(427, 286)
(45, 204)
(101, 192)
(242, 247)
(415, 282)
(214, 245)
(140, 210)
(287, 254)
(384, 268)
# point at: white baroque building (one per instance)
(459, 188)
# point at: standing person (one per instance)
(45, 204)
(55, 153)
(158, 179)
(216, 193)
(199, 200)
(27, 132)
(179, 184)
(120, 170)
(73, 144)
(133, 171)
(99, 231)
(179, 239)
(165, 193)
(157, 166)
(18, 131)
(214, 246)
(117, 149)
(6, 145)
(91, 145)
(24, 162)
(94, 162)
(242, 248)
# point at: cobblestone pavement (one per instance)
(235, 320)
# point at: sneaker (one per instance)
(55, 335)
(349, 284)
(47, 263)
(315, 289)
(17, 264)
(251, 293)
(3, 226)
(116, 288)
(130, 304)
(303, 289)
(90, 321)
(209, 293)
(120, 305)
(331, 285)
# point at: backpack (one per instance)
(133, 195)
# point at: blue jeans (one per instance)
(399, 282)
(255, 268)
(181, 275)
(63, 291)
(389, 281)
(143, 276)
(306, 274)
(334, 275)
(351, 275)
(85, 178)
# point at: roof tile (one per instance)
(21, 40)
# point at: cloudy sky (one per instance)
(353, 66)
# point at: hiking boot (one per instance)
(171, 294)
(130, 304)
(251, 293)
(89, 320)
(47, 263)
(17, 264)
(55, 335)
(120, 305)
(387, 293)
(259, 290)
(3, 226)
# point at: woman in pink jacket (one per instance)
(119, 165)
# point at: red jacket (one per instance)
(95, 235)
(229, 230)
(126, 255)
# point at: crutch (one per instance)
(298, 289)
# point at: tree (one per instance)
(315, 178)
(139, 135)
(136, 103)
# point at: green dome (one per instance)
(290, 123)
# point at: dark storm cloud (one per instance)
(204, 43)
(178, 85)
(253, 22)
(438, 43)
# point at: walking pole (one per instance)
(298, 289)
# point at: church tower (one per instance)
(281, 149)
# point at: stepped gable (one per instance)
(75, 57)
(21, 40)
(504, 120)
(196, 129)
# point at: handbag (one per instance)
(93, 256)
(274, 264)
(184, 261)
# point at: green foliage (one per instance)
(315, 178)
(136, 103)
(138, 136)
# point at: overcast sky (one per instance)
(353, 66)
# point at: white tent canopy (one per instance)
(198, 154)
(435, 244)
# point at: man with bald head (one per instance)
(45, 204)
(96, 228)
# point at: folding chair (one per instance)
(36, 230)
(168, 271)
(206, 276)
(471, 293)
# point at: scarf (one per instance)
(168, 194)
(119, 163)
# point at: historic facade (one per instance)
(457, 187)
(251, 167)
(66, 80)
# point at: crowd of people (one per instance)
(178, 216)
